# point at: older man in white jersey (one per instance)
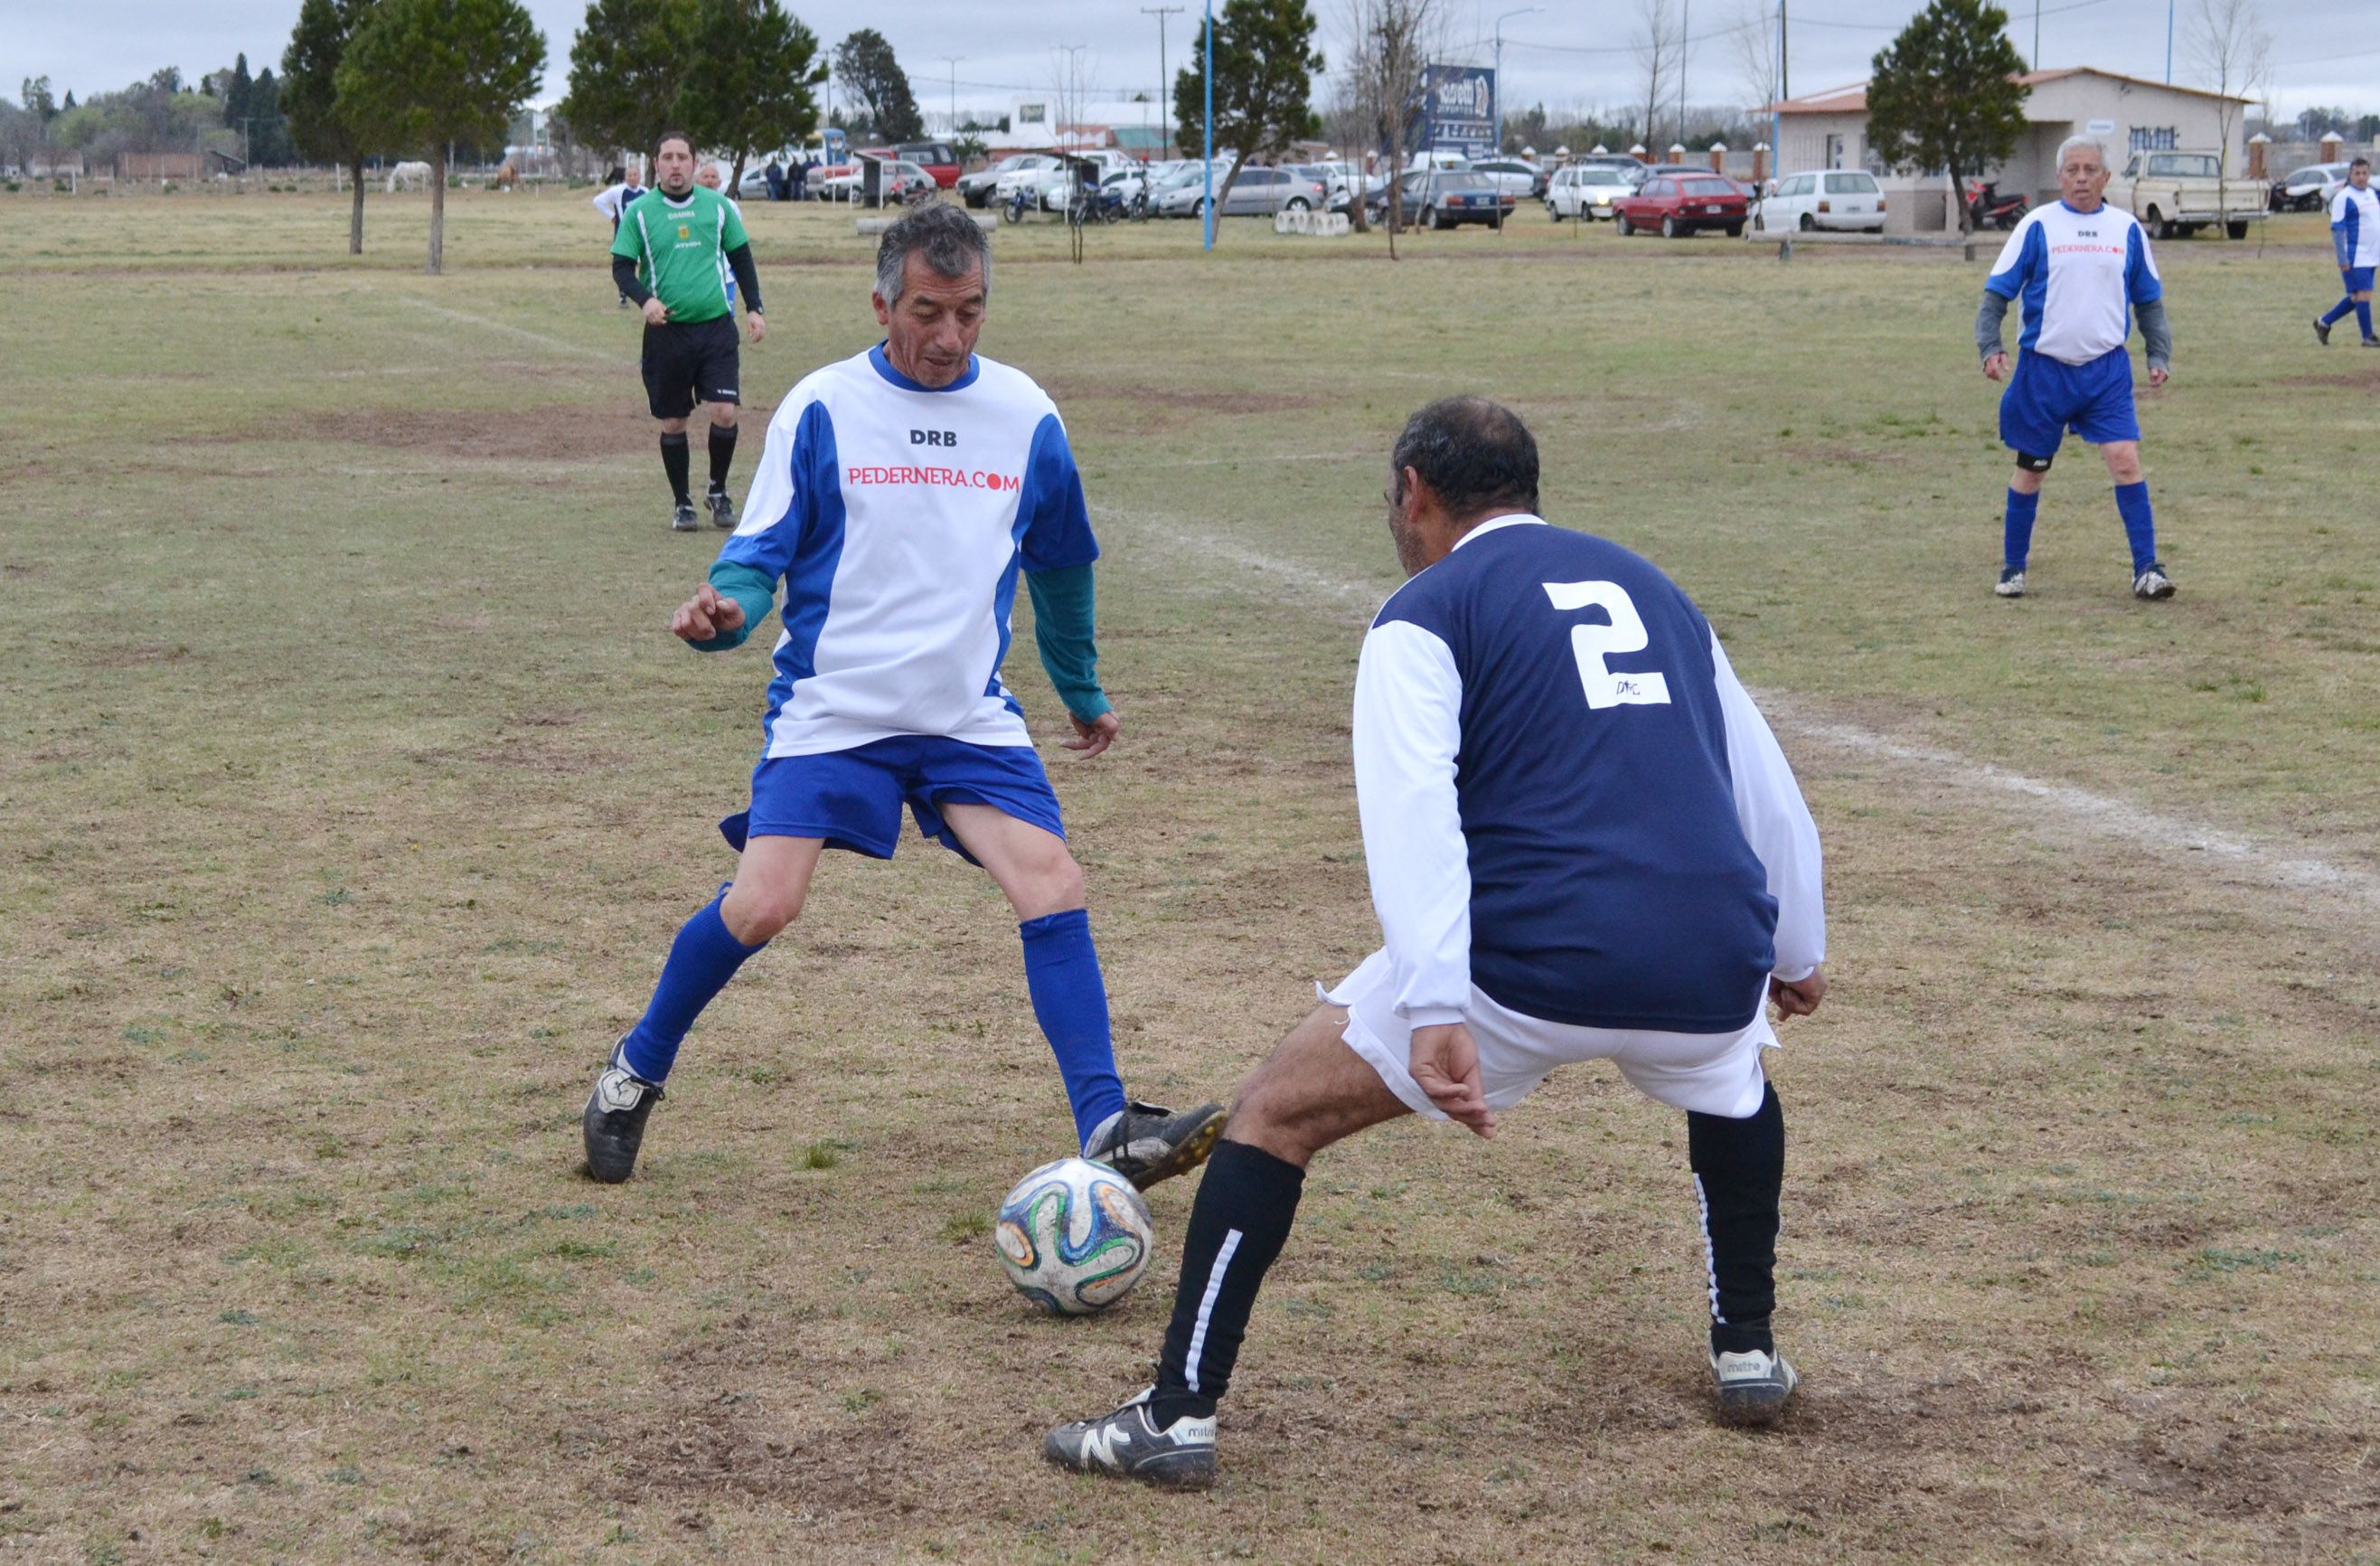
(901, 493)
(2080, 270)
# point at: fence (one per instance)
(157, 166)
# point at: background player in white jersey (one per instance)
(899, 495)
(2355, 233)
(1583, 843)
(612, 201)
(2080, 269)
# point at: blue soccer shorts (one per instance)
(2359, 278)
(853, 798)
(2047, 396)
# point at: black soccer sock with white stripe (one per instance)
(723, 456)
(675, 463)
(1739, 1176)
(1247, 1200)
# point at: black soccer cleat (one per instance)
(1147, 1143)
(1752, 1388)
(722, 510)
(614, 1121)
(682, 520)
(2321, 330)
(1128, 1444)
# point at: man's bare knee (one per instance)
(1312, 1091)
(672, 426)
(723, 416)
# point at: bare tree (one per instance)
(1753, 37)
(1073, 79)
(1388, 45)
(1658, 46)
(2233, 51)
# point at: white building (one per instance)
(1042, 122)
(1829, 130)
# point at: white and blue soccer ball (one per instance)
(1073, 1236)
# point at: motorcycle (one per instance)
(1987, 208)
(1019, 202)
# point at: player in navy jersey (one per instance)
(900, 495)
(1583, 843)
(2080, 270)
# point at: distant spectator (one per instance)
(775, 174)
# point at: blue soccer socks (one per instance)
(2364, 318)
(2338, 311)
(2140, 523)
(2017, 532)
(1070, 1000)
(701, 960)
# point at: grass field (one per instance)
(354, 788)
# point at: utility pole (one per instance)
(1164, 82)
(953, 61)
(1524, 11)
(1208, 211)
(2037, 37)
(2168, 41)
(1685, 28)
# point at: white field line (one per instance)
(559, 343)
(2093, 815)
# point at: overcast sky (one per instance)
(2325, 52)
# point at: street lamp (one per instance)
(1164, 130)
(1524, 11)
(1207, 211)
(951, 129)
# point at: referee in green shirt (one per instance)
(666, 257)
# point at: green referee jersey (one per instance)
(678, 244)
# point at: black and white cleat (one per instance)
(1128, 1444)
(1752, 1388)
(1147, 1143)
(614, 1121)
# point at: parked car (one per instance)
(1259, 192)
(1445, 198)
(1831, 197)
(2176, 194)
(1680, 204)
(905, 182)
(1585, 191)
(935, 157)
(2308, 190)
(1167, 196)
(1346, 183)
(1514, 176)
(976, 190)
(1633, 168)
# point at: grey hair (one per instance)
(2091, 141)
(945, 235)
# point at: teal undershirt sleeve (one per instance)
(749, 586)
(1065, 610)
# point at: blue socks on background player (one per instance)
(2140, 523)
(1070, 1000)
(701, 960)
(2364, 318)
(2018, 540)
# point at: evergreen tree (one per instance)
(1264, 62)
(1945, 95)
(428, 74)
(628, 66)
(316, 121)
(865, 66)
(36, 100)
(748, 79)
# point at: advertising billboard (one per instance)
(1459, 106)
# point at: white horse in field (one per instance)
(413, 175)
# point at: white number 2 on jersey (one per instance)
(1591, 644)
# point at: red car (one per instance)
(1680, 203)
(936, 158)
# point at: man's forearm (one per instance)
(748, 277)
(2156, 333)
(1064, 615)
(623, 272)
(1988, 317)
(754, 591)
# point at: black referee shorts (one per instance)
(691, 363)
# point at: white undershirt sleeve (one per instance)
(1408, 728)
(1776, 822)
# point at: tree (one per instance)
(310, 97)
(1264, 62)
(427, 73)
(1946, 96)
(748, 83)
(38, 102)
(1390, 45)
(1657, 43)
(2234, 55)
(1753, 38)
(865, 66)
(627, 67)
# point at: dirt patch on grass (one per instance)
(554, 432)
(1202, 401)
(2361, 379)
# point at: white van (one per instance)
(1829, 197)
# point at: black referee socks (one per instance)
(1739, 1174)
(1246, 1202)
(722, 454)
(675, 463)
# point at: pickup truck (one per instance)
(2176, 194)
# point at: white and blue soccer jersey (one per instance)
(1569, 801)
(2355, 225)
(899, 517)
(2076, 276)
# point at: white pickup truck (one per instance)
(2176, 194)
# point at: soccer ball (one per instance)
(1073, 1236)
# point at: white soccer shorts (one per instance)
(1715, 1073)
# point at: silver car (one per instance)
(1259, 192)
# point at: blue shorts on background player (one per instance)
(2080, 271)
(898, 568)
